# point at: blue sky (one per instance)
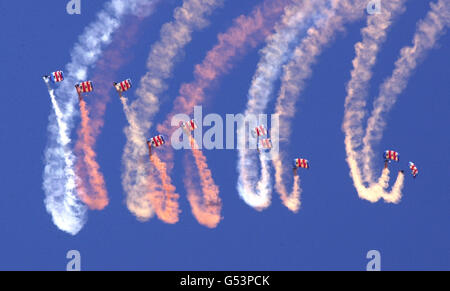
(333, 230)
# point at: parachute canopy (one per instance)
(84, 87)
(123, 86)
(301, 163)
(188, 126)
(391, 156)
(266, 143)
(57, 76)
(414, 170)
(259, 131)
(156, 141)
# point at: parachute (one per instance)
(389, 156)
(84, 87)
(300, 163)
(122, 86)
(188, 126)
(55, 77)
(259, 131)
(155, 142)
(414, 170)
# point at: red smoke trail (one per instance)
(91, 185)
(246, 33)
(164, 199)
(206, 209)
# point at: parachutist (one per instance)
(300, 163)
(414, 169)
(122, 86)
(155, 141)
(83, 87)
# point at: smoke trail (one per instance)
(427, 34)
(373, 35)
(247, 32)
(151, 196)
(164, 199)
(175, 36)
(255, 191)
(293, 81)
(395, 195)
(137, 179)
(208, 212)
(91, 185)
(156, 191)
(61, 201)
(94, 195)
(126, 108)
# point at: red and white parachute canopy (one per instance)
(188, 126)
(266, 143)
(301, 163)
(123, 86)
(259, 131)
(414, 170)
(391, 156)
(84, 87)
(156, 141)
(57, 76)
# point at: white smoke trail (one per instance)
(256, 191)
(61, 201)
(59, 178)
(293, 81)
(175, 35)
(374, 34)
(135, 178)
(427, 34)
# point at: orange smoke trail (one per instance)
(246, 33)
(175, 35)
(160, 199)
(206, 209)
(163, 198)
(98, 198)
(91, 184)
